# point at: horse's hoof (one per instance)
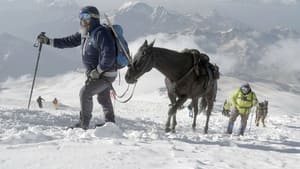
(167, 130)
(173, 131)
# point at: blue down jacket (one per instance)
(104, 57)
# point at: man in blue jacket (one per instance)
(98, 50)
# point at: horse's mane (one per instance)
(170, 52)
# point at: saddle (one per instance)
(202, 65)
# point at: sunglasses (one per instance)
(245, 89)
(85, 16)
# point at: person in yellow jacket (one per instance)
(242, 100)
(55, 103)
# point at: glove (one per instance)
(42, 38)
(234, 108)
(94, 74)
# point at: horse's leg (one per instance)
(174, 123)
(210, 105)
(172, 97)
(195, 106)
(172, 113)
(167, 129)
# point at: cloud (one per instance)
(284, 54)
(178, 42)
(175, 42)
(286, 2)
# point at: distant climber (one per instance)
(55, 103)
(40, 100)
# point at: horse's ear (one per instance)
(152, 43)
(145, 43)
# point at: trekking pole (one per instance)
(39, 45)
(252, 111)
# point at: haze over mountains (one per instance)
(28, 137)
(238, 49)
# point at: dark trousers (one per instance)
(101, 88)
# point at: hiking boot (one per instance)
(110, 117)
(85, 123)
(79, 125)
(242, 130)
(106, 121)
(76, 125)
(110, 120)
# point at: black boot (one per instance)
(83, 123)
(242, 130)
(78, 124)
(110, 117)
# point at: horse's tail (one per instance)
(203, 104)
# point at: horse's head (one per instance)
(142, 63)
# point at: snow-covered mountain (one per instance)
(26, 19)
(140, 19)
(31, 4)
(215, 34)
(18, 57)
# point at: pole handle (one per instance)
(36, 43)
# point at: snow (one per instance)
(38, 138)
(138, 6)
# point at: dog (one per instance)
(261, 112)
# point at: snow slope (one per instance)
(38, 138)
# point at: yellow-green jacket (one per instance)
(243, 102)
(226, 105)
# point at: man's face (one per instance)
(245, 90)
(85, 22)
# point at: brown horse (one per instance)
(187, 76)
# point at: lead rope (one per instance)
(119, 97)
